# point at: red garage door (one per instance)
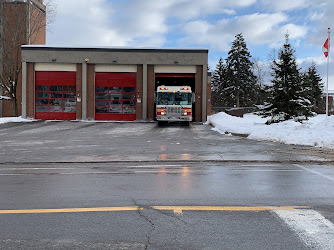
(55, 95)
(115, 96)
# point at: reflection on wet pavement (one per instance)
(116, 142)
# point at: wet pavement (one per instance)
(118, 142)
(119, 184)
(87, 185)
(166, 206)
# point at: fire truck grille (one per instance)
(173, 111)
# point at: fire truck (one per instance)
(174, 104)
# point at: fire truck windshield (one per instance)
(169, 98)
(182, 98)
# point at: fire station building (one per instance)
(106, 83)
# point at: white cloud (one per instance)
(202, 32)
(132, 22)
(257, 29)
(284, 5)
(317, 60)
(142, 18)
(317, 16)
(322, 19)
(261, 28)
(79, 22)
(189, 9)
(294, 31)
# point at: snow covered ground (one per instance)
(317, 131)
(14, 119)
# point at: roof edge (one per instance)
(115, 49)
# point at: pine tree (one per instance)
(289, 99)
(219, 99)
(314, 85)
(240, 80)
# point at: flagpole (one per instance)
(327, 71)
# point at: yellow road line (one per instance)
(69, 210)
(175, 209)
(8, 169)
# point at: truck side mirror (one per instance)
(193, 98)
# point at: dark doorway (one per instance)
(176, 80)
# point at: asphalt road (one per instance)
(118, 142)
(145, 187)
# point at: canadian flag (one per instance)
(326, 46)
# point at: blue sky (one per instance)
(210, 24)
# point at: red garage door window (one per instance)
(115, 96)
(55, 95)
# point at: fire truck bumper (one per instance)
(174, 119)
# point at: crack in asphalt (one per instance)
(169, 216)
(147, 219)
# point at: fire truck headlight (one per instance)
(186, 112)
(161, 111)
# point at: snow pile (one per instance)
(14, 119)
(317, 131)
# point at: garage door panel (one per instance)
(55, 95)
(43, 74)
(115, 96)
(101, 82)
(116, 82)
(61, 75)
(55, 116)
(115, 117)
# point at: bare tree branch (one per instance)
(23, 22)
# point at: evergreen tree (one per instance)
(289, 99)
(219, 99)
(240, 80)
(314, 86)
